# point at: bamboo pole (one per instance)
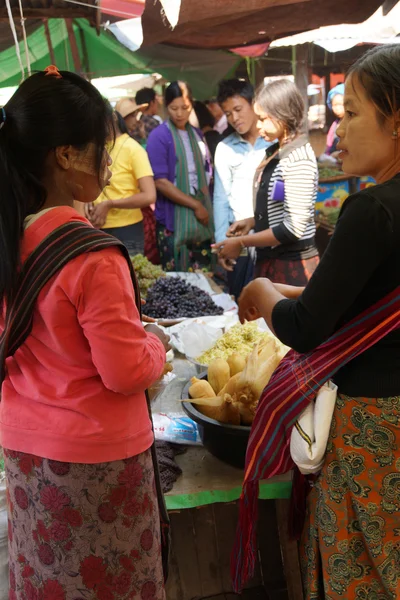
(49, 43)
(74, 46)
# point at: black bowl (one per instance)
(226, 442)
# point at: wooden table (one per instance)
(204, 512)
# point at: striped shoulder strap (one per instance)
(62, 245)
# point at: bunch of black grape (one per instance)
(172, 298)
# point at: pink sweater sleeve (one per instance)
(127, 358)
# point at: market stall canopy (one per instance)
(34, 11)
(104, 56)
(47, 9)
(101, 55)
(212, 24)
(123, 9)
(378, 29)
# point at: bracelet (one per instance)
(243, 245)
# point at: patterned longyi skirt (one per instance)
(83, 532)
(290, 272)
(351, 541)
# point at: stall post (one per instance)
(49, 44)
(73, 45)
(300, 71)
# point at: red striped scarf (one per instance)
(293, 385)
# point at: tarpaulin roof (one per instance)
(34, 9)
(123, 9)
(378, 29)
(228, 24)
(102, 56)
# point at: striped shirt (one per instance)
(285, 201)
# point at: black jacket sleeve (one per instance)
(362, 239)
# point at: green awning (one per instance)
(101, 55)
(104, 56)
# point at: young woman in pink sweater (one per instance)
(74, 423)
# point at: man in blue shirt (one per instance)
(236, 160)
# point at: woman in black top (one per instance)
(350, 546)
(286, 186)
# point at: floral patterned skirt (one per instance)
(83, 532)
(200, 255)
(351, 541)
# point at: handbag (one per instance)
(310, 433)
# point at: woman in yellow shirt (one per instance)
(131, 188)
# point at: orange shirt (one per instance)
(74, 390)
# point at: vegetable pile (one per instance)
(234, 386)
(329, 172)
(239, 339)
(146, 272)
(172, 298)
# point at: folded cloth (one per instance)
(169, 470)
(311, 431)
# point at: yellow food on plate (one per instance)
(236, 403)
(200, 388)
(219, 374)
(236, 363)
(239, 339)
(231, 386)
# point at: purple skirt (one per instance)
(83, 532)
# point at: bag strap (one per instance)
(292, 387)
(62, 245)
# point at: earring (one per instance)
(395, 134)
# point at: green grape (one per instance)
(146, 272)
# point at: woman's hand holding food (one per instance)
(229, 249)
(240, 228)
(226, 264)
(163, 337)
(145, 318)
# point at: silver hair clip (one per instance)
(3, 116)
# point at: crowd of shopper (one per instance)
(233, 180)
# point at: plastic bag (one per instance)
(175, 428)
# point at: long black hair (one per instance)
(45, 112)
(178, 89)
(121, 123)
(378, 71)
(203, 115)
